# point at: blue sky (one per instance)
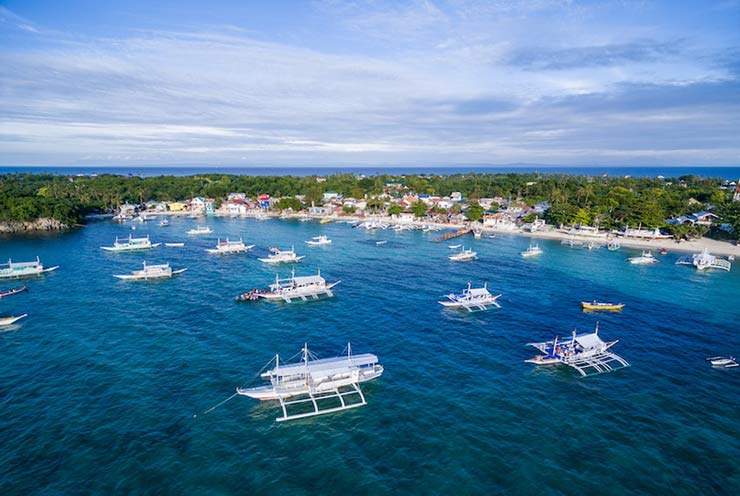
(329, 82)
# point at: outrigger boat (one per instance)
(532, 251)
(6, 321)
(646, 258)
(613, 245)
(200, 230)
(464, 255)
(477, 232)
(282, 256)
(131, 244)
(586, 353)
(164, 223)
(472, 299)
(17, 270)
(705, 260)
(161, 271)
(174, 245)
(597, 305)
(724, 362)
(312, 382)
(301, 288)
(226, 247)
(318, 241)
(454, 247)
(11, 292)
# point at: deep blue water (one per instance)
(729, 173)
(101, 381)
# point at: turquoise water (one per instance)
(101, 381)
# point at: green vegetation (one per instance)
(610, 202)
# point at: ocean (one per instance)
(729, 173)
(103, 379)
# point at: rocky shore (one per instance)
(43, 224)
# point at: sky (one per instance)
(372, 82)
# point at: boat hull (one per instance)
(6, 321)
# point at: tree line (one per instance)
(609, 202)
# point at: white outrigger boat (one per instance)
(313, 381)
(472, 299)
(149, 272)
(646, 258)
(705, 260)
(6, 321)
(318, 241)
(723, 362)
(174, 245)
(613, 245)
(586, 353)
(131, 244)
(302, 288)
(164, 223)
(17, 270)
(477, 232)
(464, 255)
(227, 246)
(282, 256)
(532, 251)
(200, 230)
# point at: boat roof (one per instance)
(326, 365)
(308, 280)
(591, 340)
(478, 291)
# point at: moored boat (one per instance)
(302, 288)
(200, 230)
(646, 258)
(282, 256)
(597, 305)
(131, 244)
(150, 272)
(11, 292)
(18, 270)
(704, 261)
(6, 321)
(464, 255)
(723, 362)
(472, 299)
(312, 381)
(532, 251)
(227, 246)
(318, 241)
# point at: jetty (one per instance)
(453, 234)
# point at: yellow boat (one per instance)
(325, 220)
(596, 305)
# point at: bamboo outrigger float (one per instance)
(313, 382)
(586, 353)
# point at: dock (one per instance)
(454, 234)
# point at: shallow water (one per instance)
(101, 381)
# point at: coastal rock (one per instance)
(42, 224)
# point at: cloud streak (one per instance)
(463, 86)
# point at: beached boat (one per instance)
(261, 216)
(11, 292)
(532, 251)
(477, 232)
(302, 288)
(646, 258)
(200, 230)
(325, 220)
(228, 246)
(131, 244)
(17, 270)
(282, 256)
(303, 388)
(318, 241)
(704, 261)
(571, 242)
(464, 255)
(586, 353)
(6, 321)
(149, 272)
(598, 305)
(472, 299)
(723, 362)
(174, 245)
(613, 245)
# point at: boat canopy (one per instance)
(589, 341)
(478, 292)
(307, 280)
(324, 366)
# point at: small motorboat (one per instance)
(11, 292)
(723, 362)
(6, 321)
(598, 305)
(454, 247)
(378, 243)
(663, 251)
(164, 223)
(174, 245)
